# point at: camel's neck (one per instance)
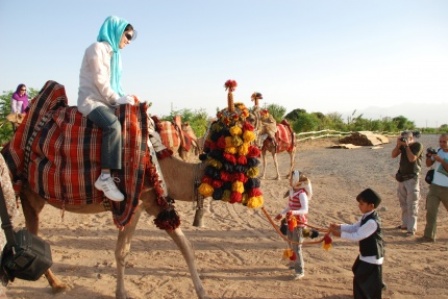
(180, 177)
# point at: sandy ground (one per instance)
(238, 253)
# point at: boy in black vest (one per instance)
(367, 269)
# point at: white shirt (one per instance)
(94, 79)
(358, 232)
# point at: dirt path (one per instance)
(238, 253)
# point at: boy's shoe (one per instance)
(299, 276)
(109, 188)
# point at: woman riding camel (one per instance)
(100, 93)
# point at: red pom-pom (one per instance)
(236, 197)
(239, 177)
(255, 192)
(230, 84)
(221, 143)
(207, 180)
(293, 256)
(225, 176)
(253, 152)
(247, 126)
(242, 160)
(229, 157)
(217, 184)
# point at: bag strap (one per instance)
(6, 220)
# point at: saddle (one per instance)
(57, 152)
(284, 137)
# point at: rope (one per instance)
(275, 226)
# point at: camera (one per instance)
(403, 139)
(431, 151)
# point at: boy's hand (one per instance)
(335, 229)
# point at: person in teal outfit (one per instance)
(100, 93)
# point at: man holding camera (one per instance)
(438, 190)
(408, 177)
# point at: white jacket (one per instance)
(94, 79)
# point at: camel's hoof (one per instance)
(61, 287)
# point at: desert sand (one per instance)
(239, 254)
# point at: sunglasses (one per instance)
(128, 36)
(23, 89)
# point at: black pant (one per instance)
(367, 280)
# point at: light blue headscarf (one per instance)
(111, 32)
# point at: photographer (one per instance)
(438, 190)
(408, 177)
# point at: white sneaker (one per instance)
(299, 276)
(109, 188)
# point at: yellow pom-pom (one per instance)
(228, 140)
(226, 195)
(255, 202)
(243, 150)
(237, 141)
(248, 136)
(205, 190)
(235, 131)
(231, 150)
(217, 127)
(253, 172)
(215, 163)
(238, 186)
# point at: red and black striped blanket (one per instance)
(284, 137)
(57, 151)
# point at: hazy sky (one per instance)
(321, 56)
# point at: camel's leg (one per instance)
(274, 156)
(292, 159)
(32, 205)
(185, 247)
(263, 172)
(122, 249)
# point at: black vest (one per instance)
(372, 245)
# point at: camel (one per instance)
(178, 137)
(280, 139)
(181, 180)
(15, 119)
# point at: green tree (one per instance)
(277, 112)
(198, 119)
(403, 123)
(334, 121)
(294, 114)
(305, 123)
(5, 109)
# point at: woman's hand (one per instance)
(126, 100)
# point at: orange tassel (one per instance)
(292, 223)
(327, 242)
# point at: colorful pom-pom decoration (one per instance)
(232, 173)
(327, 242)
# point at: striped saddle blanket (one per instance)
(284, 137)
(58, 152)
